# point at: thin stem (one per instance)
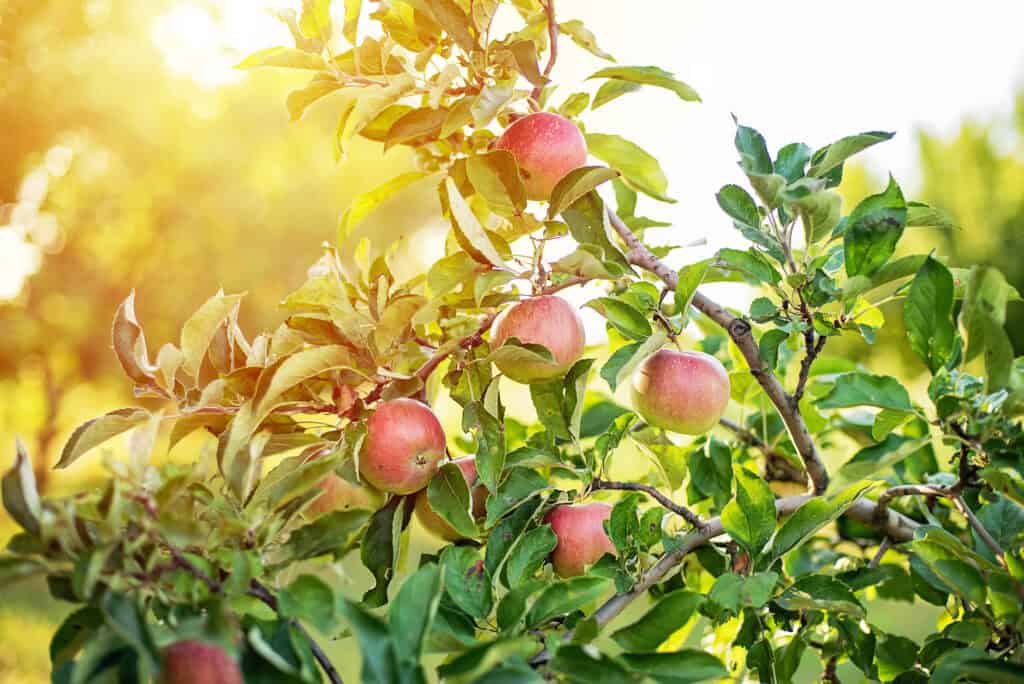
(907, 490)
(978, 528)
(741, 333)
(882, 549)
(261, 592)
(549, 9)
(665, 501)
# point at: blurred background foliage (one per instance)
(117, 174)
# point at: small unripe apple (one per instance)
(404, 446)
(196, 662)
(684, 392)
(438, 525)
(546, 147)
(581, 536)
(549, 321)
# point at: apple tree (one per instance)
(780, 489)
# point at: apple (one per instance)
(404, 447)
(438, 525)
(196, 662)
(582, 540)
(546, 147)
(684, 392)
(546, 320)
(338, 494)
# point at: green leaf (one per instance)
(20, 496)
(821, 592)
(649, 75)
(690, 278)
(687, 666)
(380, 547)
(467, 580)
(621, 364)
(927, 313)
(863, 389)
(583, 37)
(524, 52)
(507, 532)
(518, 486)
(750, 264)
(574, 105)
(739, 205)
(455, 23)
(490, 436)
(412, 612)
(415, 127)
(812, 516)
(768, 346)
(1005, 522)
(309, 599)
(750, 517)
(819, 214)
(612, 90)
(831, 156)
(589, 225)
(529, 554)
(623, 317)
(75, 632)
(575, 185)
(920, 214)
(289, 58)
(495, 176)
(450, 498)
(791, 161)
(886, 421)
(333, 533)
(496, 657)
(566, 596)
(640, 170)
(490, 101)
(668, 615)
(870, 460)
(873, 229)
(123, 617)
(470, 234)
(982, 317)
(92, 433)
(733, 592)
(379, 664)
(754, 156)
(512, 607)
(585, 666)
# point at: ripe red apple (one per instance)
(404, 445)
(438, 525)
(547, 320)
(684, 392)
(581, 536)
(546, 147)
(196, 662)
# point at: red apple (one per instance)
(438, 525)
(546, 320)
(581, 536)
(684, 392)
(404, 446)
(195, 662)
(546, 147)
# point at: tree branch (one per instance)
(668, 503)
(549, 9)
(897, 527)
(979, 529)
(740, 332)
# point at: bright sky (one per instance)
(796, 70)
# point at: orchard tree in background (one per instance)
(324, 443)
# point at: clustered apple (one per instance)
(684, 392)
(546, 147)
(547, 320)
(196, 662)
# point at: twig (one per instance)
(813, 349)
(549, 9)
(907, 490)
(668, 503)
(830, 674)
(778, 466)
(259, 591)
(882, 549)
(979, 529)
(740, 332)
